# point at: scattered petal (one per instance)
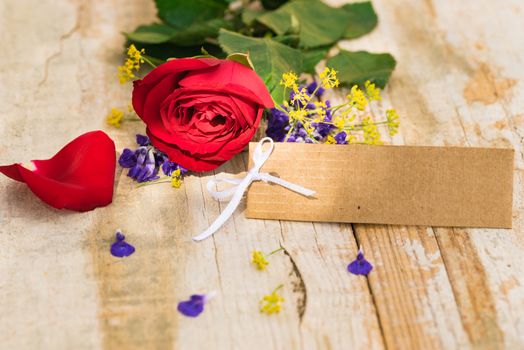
(195, 305)
(121, 248)
(360, 266)
(79, 177)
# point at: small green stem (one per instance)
(275, 251)
(154, 182)
(148, 61)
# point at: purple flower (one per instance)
(311, 88)
(145, 168)
(276, 125)
(168, 167)
(127, 158)
(194, 306)
(121, 248)
(360, 266)
(341, 138)
(142, 140)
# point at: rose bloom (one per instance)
(201, 112)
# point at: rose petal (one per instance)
(230, 72)
(79, 177)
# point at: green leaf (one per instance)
(182, 13)
(249, 15)
(241, 58)
(319, 23)
(151, 34)
(197, 33)
(312, 58)
(270, 58)
(272, 4)
(361, 19)
(357, 67)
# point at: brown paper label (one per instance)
(404, 185)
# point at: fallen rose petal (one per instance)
(79, 177)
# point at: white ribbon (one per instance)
(236, 192)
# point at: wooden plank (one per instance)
(444, 92)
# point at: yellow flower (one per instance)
(176, 179)
(297, 115)
(372, 91)
(301, 96)
(357, 98)
(115, 117)
(339, 122)
(289, 80)
(329, 78)
(392, 121)
(132, 63)
(259, 260)
(272, 303)
(331, 140)
(371, 134)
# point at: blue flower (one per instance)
(360, 266)
(142, 140)
(121, 248)
(276, 125)
(341, 138)
(311, 88)
(168, 167)
(145, 168)
(195, 305)
(127, 158)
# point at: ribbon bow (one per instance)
(236, 192)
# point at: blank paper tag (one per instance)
(404, 185)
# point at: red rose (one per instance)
(201, 112)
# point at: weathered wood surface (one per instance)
(459, 81)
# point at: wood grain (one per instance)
(459, 81)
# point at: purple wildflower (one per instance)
(127, 158)
(145, 169)
(168, 167)
(121, 248)
(360, 266)
(276, 125)
(142, 140)
(341, 138)
(311, 88)
(195, 305)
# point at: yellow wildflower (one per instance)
(115, 117)
(357, 98)
(176, 179)
(132, 63)
(392, 121)
(272, 303)
(329, 78)
(371, 134)
(289, 80)
(301, 96)
(339, 122)
(297, 115)
(330, 140)
(259, 260)
(372, 91)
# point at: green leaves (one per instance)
(279, 37)
(319, 24)
(361, 19)
(151, 34)
(182, 13)
(357, 67)
(269, 58)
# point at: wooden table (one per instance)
(459, 81)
